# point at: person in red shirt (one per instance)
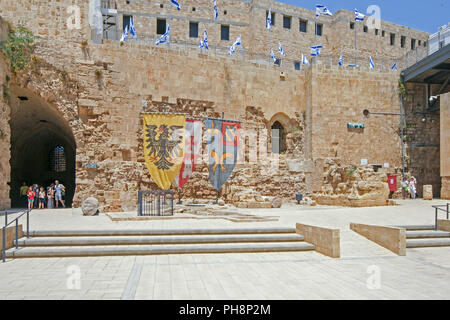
(30, 194)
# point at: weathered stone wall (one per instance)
(245, 18)
(100, 90)
(339, 97)
(5, 133)
(353, 186)
(422, 139)
(445, 145)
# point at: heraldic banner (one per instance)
(164, 146)
(193, 144)
(222, 139)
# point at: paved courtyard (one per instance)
(365, 270)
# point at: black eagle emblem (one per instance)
(164, 150)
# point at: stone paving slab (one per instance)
(365, 271)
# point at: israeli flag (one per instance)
(371, 64)
(272, 55)
(394, 66)
(216, 12)
(201, 44)
(359, 16)
(322, 10)
(341, 60)
(205, 40)
(235, 44)
(132, 30)
(315, 51)
(176, 4)
(124, 34)
(269, 19)
(280, 48)
(304, 60)
(165, 37)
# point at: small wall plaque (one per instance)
(91, 166)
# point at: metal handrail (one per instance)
(438, 208)
(16, 220)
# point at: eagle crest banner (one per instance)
(164, 140)
(222, 139)
(193, 144)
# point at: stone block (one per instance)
(11, 235)
(443, 225)
(393, 239)
(326, 241)
(427, 192)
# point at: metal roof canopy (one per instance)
(434, 69)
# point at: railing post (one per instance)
(6, 218)
(436, 219)
(17, 233)
(448, 209)
(3, 244)
(28, 223)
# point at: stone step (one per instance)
(423, 243)
(47, 252)
(427, 234)
(150, 232)
(152, 240)
(416, 227)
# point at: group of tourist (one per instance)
(40, 197)
(409, 188)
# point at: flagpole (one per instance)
(356, 45)
(270, 46)
(215, 35)
(313, 59)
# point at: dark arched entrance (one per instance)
(278, 138)
(43, 147)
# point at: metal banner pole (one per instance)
(313, 59)
(215, 36)
(356, 46)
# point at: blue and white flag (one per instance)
(304, 59)
(205, 40)
(165, 37)
(235, 44)
(394, 66)
(280, 48)
(132, 30)
(124, 34)
(269, 19)
(272, 55)
(216, 12)
(353, 66)
(201, 44)
(371, 64)
(176, 4)
(322, 10)
(359, 16)
(341, 60)
(315, 51)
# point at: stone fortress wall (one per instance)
(99, 90)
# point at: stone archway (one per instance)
(279, 126)
(37, 128)
(278, 138)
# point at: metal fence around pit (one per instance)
(155, 203)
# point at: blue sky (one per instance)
(418, 14)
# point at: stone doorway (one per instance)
(43, 147)
(278, 137)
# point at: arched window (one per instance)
(58, 159)
(278, 138)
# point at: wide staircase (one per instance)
(84, 243)
(426, 236)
